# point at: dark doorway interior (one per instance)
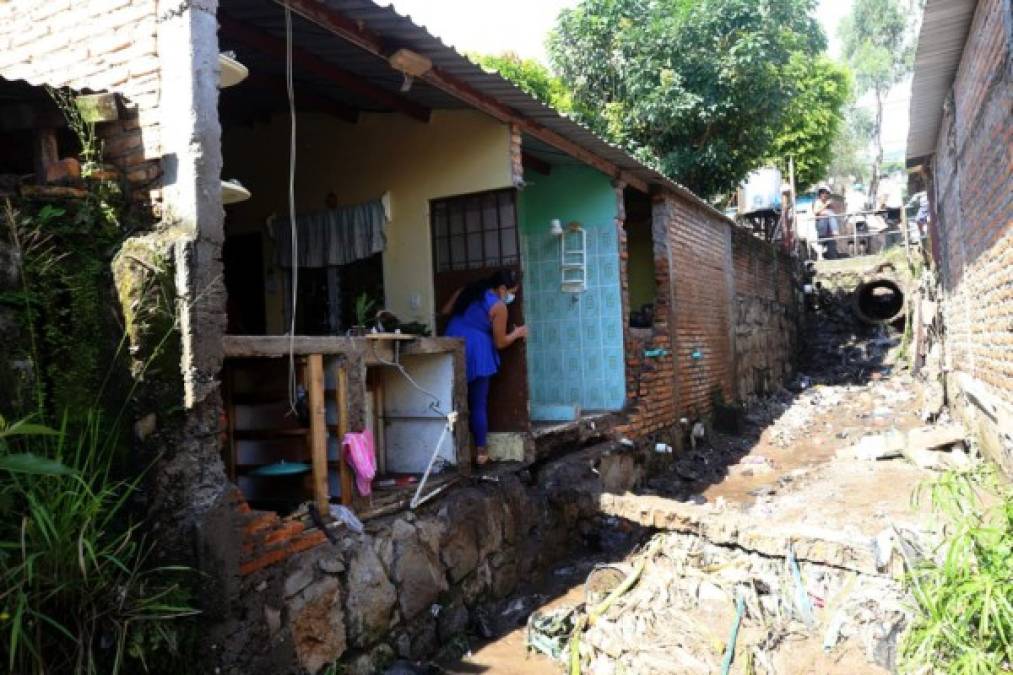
(244, 282)
(473, 236)
(643, 286)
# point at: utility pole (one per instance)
(794, 214)
(907, 233)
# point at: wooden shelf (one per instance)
(390, 336)
(258, 399)
(268, 434)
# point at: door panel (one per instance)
(473, 236)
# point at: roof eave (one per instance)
(941, 41)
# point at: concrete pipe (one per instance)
(878, 301)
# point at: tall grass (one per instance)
(77, 594)
(964, 593)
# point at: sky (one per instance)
(520, 26)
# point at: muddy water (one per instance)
(507, 654)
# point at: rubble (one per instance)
(692, 595)
(921, 446)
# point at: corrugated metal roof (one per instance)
(940, 46)
(401, 30)
(395, 29)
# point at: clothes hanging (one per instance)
(332, 237)
(358, 449)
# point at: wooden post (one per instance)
(907, 233)
(318, 431)
(346, 471)
(46, 152)
(230, 411)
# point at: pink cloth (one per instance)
(358, 450)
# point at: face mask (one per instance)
(509, 298)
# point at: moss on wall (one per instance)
(70, 339)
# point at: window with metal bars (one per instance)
(475, 231)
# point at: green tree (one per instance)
(703, 89)
(814, 119)
(877, 38)
(530, 75)
(849, 154)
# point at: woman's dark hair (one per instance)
(476, 289)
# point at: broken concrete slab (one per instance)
(874, 447)
(729, 528)
(938, 437)
(912, 445)
(937, 461)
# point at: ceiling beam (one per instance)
(491, 106)
(25, 116)
(349, 30)
(529, 161)
(238, 31)
(304, 99)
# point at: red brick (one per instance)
(285, 532)
(262, 522)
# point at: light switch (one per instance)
(415, 301)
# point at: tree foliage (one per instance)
(849, 156)
(878, 43)
(530, 75)
(814, 119)
(706, 90)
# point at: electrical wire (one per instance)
(290, 88)
(434, 405)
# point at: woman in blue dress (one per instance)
(478, 314)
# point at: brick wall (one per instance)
(700, 245)
(766, 320)
(725, 319)
(101, 46)
(972, 200)
(650, 379)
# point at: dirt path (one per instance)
(782, 469)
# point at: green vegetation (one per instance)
(814, 119)
(64, 252)
(79, 592)
(76, 593)
(849, 160)
(878, 38)
(705, 90)
(64, 248)
(363, 309)
(531, 76)
(964, 592)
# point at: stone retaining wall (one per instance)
(408, 584)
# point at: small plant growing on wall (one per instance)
(363, 313)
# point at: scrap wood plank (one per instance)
(342, 403)
(318, 431)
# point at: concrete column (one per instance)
(189, 483)
(192, 163)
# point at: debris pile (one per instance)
(684, 605)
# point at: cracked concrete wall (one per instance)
(189, 480)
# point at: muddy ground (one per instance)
(787, 463)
